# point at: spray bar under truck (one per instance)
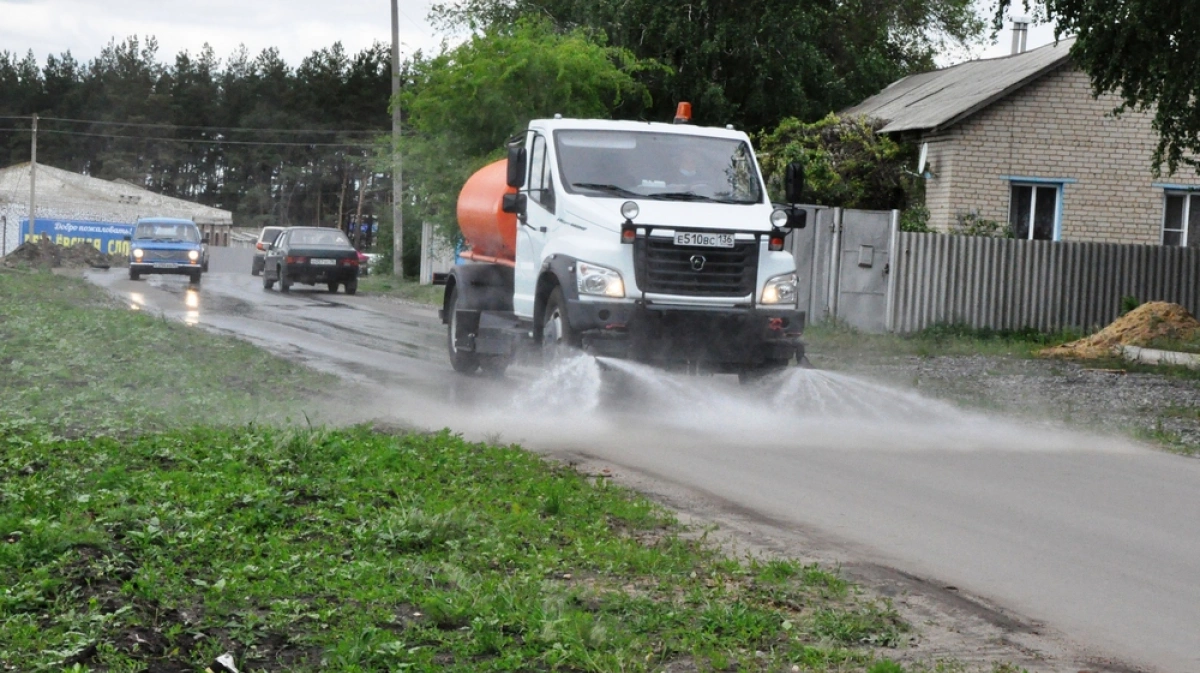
(649, 241)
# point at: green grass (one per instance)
(145, 525)
(838, 340)
(352, 550)
(387, 285)
(71, 359)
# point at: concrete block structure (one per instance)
(1022, 141)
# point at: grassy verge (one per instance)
(386, 285)
(837, 340)
(145, 526)
(355, 551)
(68, 359)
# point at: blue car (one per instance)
(166, 245)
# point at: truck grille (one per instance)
(661, 267)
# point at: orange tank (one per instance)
(491, 232)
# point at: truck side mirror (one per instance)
(513, 203)
(516, 166)
(793, 182)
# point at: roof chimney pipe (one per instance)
(1020, 30)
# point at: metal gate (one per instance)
(845, 255)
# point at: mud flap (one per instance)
(486, 332)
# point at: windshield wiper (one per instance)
(681, 196)
(601, 187)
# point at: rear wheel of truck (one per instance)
(462, 361)
(558, 337)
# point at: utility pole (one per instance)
(33, 177)
(397, 181)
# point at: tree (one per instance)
(1145, 52)
(463, 104)
(847, 163)
(751, 62)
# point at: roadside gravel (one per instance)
(1157, 405)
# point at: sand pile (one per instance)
(47, 254)
(1144, 324)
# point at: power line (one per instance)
(263, 143)
(230, 129)
(209, 128)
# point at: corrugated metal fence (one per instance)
(997, 283)
(1048, 285)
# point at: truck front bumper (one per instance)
(723, 338)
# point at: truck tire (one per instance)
(558, 337)
(462, 361)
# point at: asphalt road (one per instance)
(1092, 540)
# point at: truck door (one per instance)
(539, 220)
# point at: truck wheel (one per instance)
(755, 374)
(351, 286)
(462, 361)
(557, 334)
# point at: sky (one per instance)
(296, 27)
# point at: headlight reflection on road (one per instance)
(192, 300)
(137, 300)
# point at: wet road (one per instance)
(1090, 539)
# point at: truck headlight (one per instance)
(780, 289)
(193, 255)
(599, 280)
(137, 253)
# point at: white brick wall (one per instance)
(1054, 128)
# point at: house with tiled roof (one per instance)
(1022, 141)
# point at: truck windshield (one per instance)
(666, 166)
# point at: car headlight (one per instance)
(193, 255)
(780, 289)
(137, 253)
(600, 280)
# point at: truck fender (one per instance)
(557, 271)
(481, 287)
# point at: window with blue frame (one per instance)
(1181, 219)
(1034, 210)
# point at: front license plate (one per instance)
(166, 266)
(323, 262)
(697, 239)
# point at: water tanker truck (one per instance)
(654, 242)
